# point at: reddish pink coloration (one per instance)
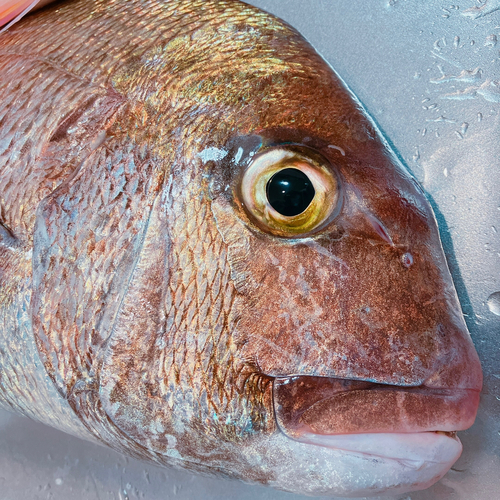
(12, 11)
(334, 406)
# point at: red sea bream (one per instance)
(210, 257)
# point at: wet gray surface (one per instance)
(429, 73)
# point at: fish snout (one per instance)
(457, 365)
(437, 389)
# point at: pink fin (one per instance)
(12, 11)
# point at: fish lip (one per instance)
(409, 450)
(331, 406)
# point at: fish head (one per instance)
(205, 325)
(355, 319)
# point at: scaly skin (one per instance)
(134, 278)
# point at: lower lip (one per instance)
(412, 450)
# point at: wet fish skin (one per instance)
(129, 267)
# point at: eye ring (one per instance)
(294, 223)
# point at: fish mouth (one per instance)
(415, 427)
(416, 451)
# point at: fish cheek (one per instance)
(341, 304)
(322, 315)
(280, 317)
(170, 379)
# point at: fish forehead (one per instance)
(184, 64)
(179, 53)
(180, 35)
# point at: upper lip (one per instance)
(321, 405)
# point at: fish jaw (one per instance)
(413, 450)
(414, 461)
(334, 465)
(409, 432)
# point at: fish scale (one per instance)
(190, 312)
(17, 195)
(116, 255)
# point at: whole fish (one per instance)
(210, 257)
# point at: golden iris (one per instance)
(289, 193)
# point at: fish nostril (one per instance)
(407, 259)
(441, 330)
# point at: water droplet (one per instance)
(123, 494)
(58, 481)
(456, 42)
(441, 119)
(407, 260)
(493, 303)
(445, 172)
(479, 117)
(437, 45)
(491, 41)
(464, 127)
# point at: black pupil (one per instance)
(289, 191)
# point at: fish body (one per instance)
(154, 298)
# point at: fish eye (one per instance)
(290, 192)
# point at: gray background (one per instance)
(402, 58)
